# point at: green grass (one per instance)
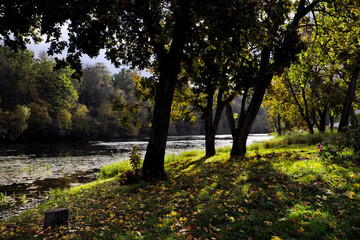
(114, 169)
(279, 193)
(299, 138)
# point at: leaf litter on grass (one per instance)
(283, 194)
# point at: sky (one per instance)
(86, 60)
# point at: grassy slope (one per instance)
(286, 193)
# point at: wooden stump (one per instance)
(56, 217)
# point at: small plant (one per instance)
(133, 175)
(24, 199)
(135, 159)
(3, 199)
(47, 166)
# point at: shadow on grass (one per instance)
(283, 194)
(250, 198)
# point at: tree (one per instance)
(39, 116)
(271, 50)
(96, 87)
(208, 73)
(55, 86)
(80, 121)
(17, 121)
(339, 31)
(156, 34)
(18, 83)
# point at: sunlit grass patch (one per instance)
(284, 192)
(114, 169)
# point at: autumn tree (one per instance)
(271, 49)
(339, 32)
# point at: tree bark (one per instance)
(331, 120)
(169, 67)
(208, 125)
(344, 121)
(322, 122)
(153, 166)
(247, 119)
(277, 123)
(230, 119)
(212, 122)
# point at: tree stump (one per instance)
(56, 217)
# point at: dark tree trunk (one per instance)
(331, 120)
(322, 122)
(277, 123)
(153, 166)
(230, 119)
(56, 217)
(303, 112)
(169, 66)
(208, 125)
(247, 118)
(212, 122)
(344, 121)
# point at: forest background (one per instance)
(40, 102)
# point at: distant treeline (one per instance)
(40, 102)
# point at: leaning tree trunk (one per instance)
(245, 122)
(247, 119)
(230, 119)
(153, 166)
(344, 121)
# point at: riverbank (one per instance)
(29, 171)
(276, 193)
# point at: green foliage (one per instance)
(64, 118)
(17, 121)
(80, 120)
(55, 86)
(39, 116)
(344, 147)
(135, 159)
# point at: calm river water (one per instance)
(28, 171)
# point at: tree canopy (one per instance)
(229, 47)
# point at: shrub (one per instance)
(345, 146)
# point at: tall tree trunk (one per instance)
(212, 122)
(304, 113)
(208, 125)
(153, 166)
(277, 122)
(230, 119)
(246, 120)
(169, 67)
(331, 120)
(344, 121)
(322, 122)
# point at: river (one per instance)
(28, 171)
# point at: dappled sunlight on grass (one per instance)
(284, 194)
